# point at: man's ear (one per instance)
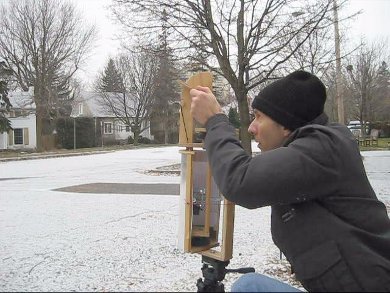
(286, 132)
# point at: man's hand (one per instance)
(204, 104)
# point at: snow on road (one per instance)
(61, 241)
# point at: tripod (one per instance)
(214, 272)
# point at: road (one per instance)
(62, 230)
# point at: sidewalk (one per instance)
(9, 155)
(45, 155)
(170, 170)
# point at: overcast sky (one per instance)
(372, 24)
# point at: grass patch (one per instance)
(383, 144)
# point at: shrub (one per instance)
(144, 140)
(382, 126)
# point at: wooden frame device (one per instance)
(202, 229)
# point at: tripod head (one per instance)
(214, 272)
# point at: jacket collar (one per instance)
(322, 119)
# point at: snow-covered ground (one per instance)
(60, 241)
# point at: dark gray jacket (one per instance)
(326, 218)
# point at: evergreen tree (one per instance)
(234, 117)
(166, 83)
(111, 80)
(5, 104)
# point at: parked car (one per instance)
(356, 128)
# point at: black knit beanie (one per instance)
(292, 101)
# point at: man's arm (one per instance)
(282, 176)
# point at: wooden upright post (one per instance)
(201, 236)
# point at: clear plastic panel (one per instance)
(203, 185)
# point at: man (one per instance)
(326, 218)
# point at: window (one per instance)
(18, 136)
(127, 128)
(107, 127)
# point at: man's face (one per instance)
(268, 134)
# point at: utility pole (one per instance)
(74, 133)
(101, 132)
(339, 96)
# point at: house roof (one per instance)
(93, 105)
(22, 99)
(91, 101)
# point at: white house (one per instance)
(23, 122)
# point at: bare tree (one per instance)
(365, 84)
(315, 55)
(321, 55)
(133, 105)
(247, 41)
(44, 43)
(382, 90)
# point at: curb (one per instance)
(48, 156)
(160, 171)
(163, 172)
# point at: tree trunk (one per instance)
(243, 109)
(136, 137)
(364, 110)
(164, 121)
(39, 128)
(40, 113)
(166, 131)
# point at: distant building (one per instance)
(108, 129)
(22, 116)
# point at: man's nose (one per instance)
(251, 129)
